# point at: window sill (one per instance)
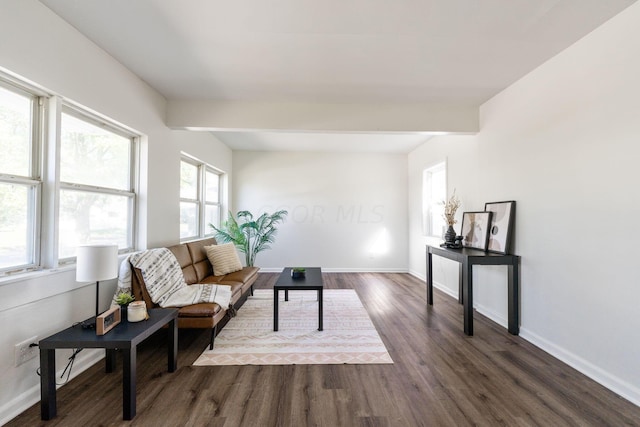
(35, 274)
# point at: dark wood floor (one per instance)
(440, 377)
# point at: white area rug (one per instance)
(348, 335)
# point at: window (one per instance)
(59, 193)
(434, 194)
(97, 195)
(20, 184)
(200, 201)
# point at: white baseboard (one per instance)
(30, 397)
(418, 275)
(613, 383)
(341, 270)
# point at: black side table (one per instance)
(468, 257)
(124, 336)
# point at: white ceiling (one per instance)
(449, 52)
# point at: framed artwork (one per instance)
(475, 229)
(501, 228)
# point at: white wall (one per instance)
(39, 46)
(347, 211)
(563, 143)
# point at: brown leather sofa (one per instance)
(197, 269)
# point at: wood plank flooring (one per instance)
(440, 377)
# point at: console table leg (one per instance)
(467, 296)
(460, 300)
(48, 409)
(129, 383)
(429, 278)
(514, 298)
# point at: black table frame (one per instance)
(311, 282)
(124, 336)
(468, 257)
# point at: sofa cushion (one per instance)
(220, 280)
(199, 310)
(223, 258)
(183, 256)
(201, 264)
(243, 276)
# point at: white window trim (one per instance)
(201, 202)
(45, 176)
(33, 181)
(428, 200)
(131, 193)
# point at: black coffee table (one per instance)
(311, 282)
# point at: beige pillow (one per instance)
(223, 258)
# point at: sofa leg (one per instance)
(213, 336)
(251, 290)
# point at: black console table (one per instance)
(125, 336)
(467, 258)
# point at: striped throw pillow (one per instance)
(223, 258)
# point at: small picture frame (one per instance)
(475, 229)
(501, 229)
(107, 320)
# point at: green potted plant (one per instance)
(250, 235)
(123, 299)
(298, 273)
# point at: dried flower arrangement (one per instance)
(450, 208)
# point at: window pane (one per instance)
(91, 155)
(212, 193)
(212, 216)
(188, 181)
(15, 231)
(88, 218)
(188, 219)
(15, 133)
(438, 197)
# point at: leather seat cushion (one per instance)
(199, 310)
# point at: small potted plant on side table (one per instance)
(123, 299)
(297, 273)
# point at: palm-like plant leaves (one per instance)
(250, 236)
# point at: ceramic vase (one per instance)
(450, 235)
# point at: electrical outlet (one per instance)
(24, 352)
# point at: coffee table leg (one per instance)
(275, 310)
(286, 294)
(320, 309)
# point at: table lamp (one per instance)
(93, 264)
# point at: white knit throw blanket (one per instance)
(165, 282)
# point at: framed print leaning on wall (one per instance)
(501, 228)
(475, 229)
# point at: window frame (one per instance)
(429, 200)
(131, 193)
(201, 201)
(44, 184)
(33, 181)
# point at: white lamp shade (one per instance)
(96, 262)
